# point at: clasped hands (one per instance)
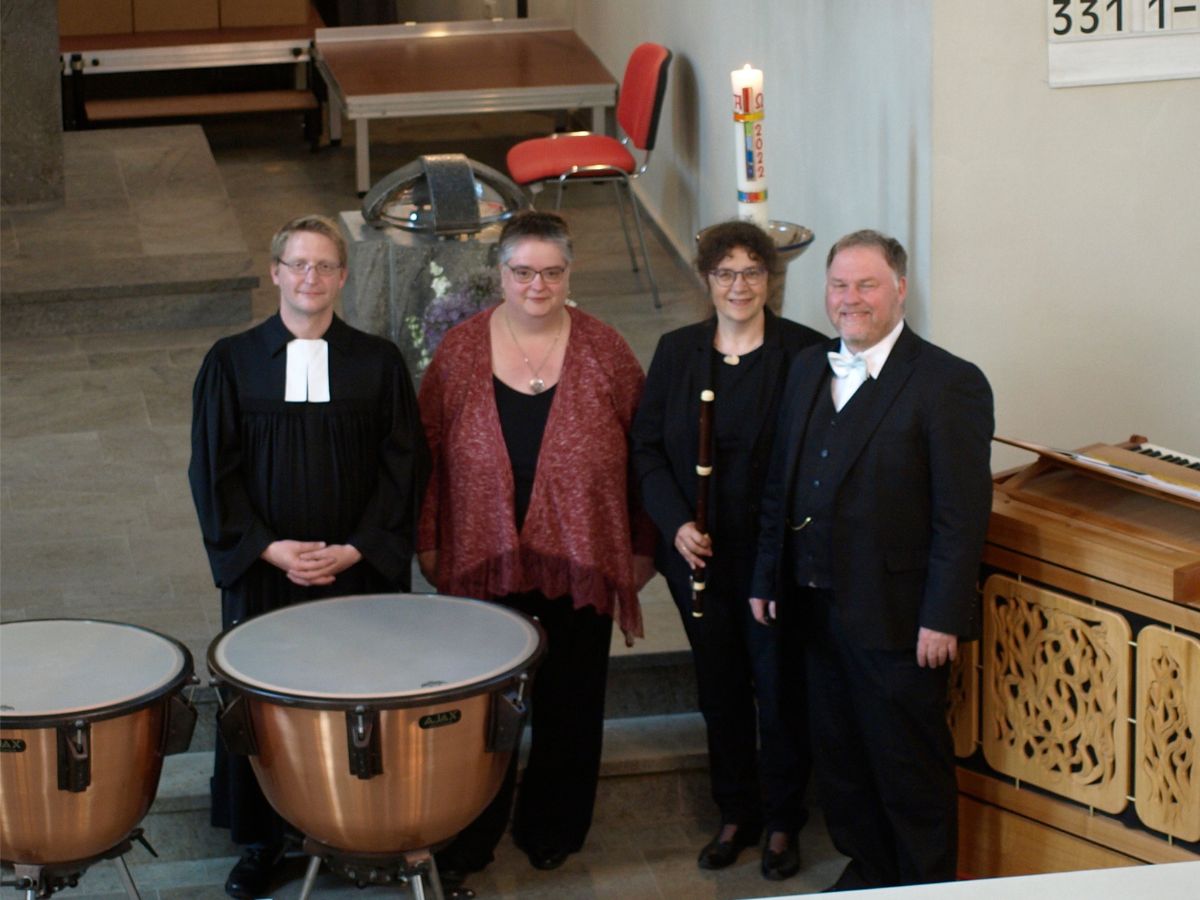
(311, 563)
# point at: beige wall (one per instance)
(1066, 236)
(1047, 227)
(847, 122)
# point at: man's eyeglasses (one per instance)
(726, 277)
(302, 268)
(526, 274)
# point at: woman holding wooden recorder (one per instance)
(738, 360)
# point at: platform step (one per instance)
(186, 106)
(128, 295)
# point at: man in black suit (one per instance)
(873, 523)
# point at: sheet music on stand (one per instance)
(1174, 487)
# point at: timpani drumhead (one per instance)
(396, 647)
(57, 668)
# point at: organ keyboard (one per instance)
(1144, 466)
(1172, 456)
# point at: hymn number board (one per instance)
(1111, 41)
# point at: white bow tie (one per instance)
(844, 364)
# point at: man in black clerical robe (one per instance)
(308, 462)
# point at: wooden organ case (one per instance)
(1077, 718)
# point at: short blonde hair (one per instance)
(322, 225)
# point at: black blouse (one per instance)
(523, 421)
(733, 524)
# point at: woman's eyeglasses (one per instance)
(726, 277)
(526, 274)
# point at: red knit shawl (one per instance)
(577, 537)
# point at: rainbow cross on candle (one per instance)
(748, 139)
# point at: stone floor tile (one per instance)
(173, 339)
(24, 456)
(162, 552)
(128, 359)
(65, 563)
(173, 509)
(73, 522)
(157, 451)
(67, 402)
(212, 226)
(194, 879)
(92, 595)
(110, 234)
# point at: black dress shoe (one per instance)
(250, 878)
(781, 865)
(851, 879)
(719, 854)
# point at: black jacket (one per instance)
(665, 429)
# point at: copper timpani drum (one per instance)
(381, 723)
(87, 711)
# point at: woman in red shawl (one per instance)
(527, 407)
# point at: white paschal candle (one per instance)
(748, 137)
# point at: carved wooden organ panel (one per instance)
(1087, 680)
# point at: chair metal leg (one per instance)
(625, 228)
(637, 220)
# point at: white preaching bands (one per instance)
(307, 371)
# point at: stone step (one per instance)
(654, 770)
(173, 291)
(164, 251)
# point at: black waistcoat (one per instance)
(810, 518)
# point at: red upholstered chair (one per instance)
(597, 157)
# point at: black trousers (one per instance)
(753, 702)
(884, 755)
(558, 789)
(239, 804)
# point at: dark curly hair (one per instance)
(719, 241)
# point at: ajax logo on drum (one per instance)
(437, 720)
(12, 745)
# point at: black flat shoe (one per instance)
(719, 854)
(781, 865)
(545, 859)
(250, 878)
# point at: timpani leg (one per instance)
(310, 876)
(598, 120)
(362, 156)
(126, 878)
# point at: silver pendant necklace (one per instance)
(536, 384)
